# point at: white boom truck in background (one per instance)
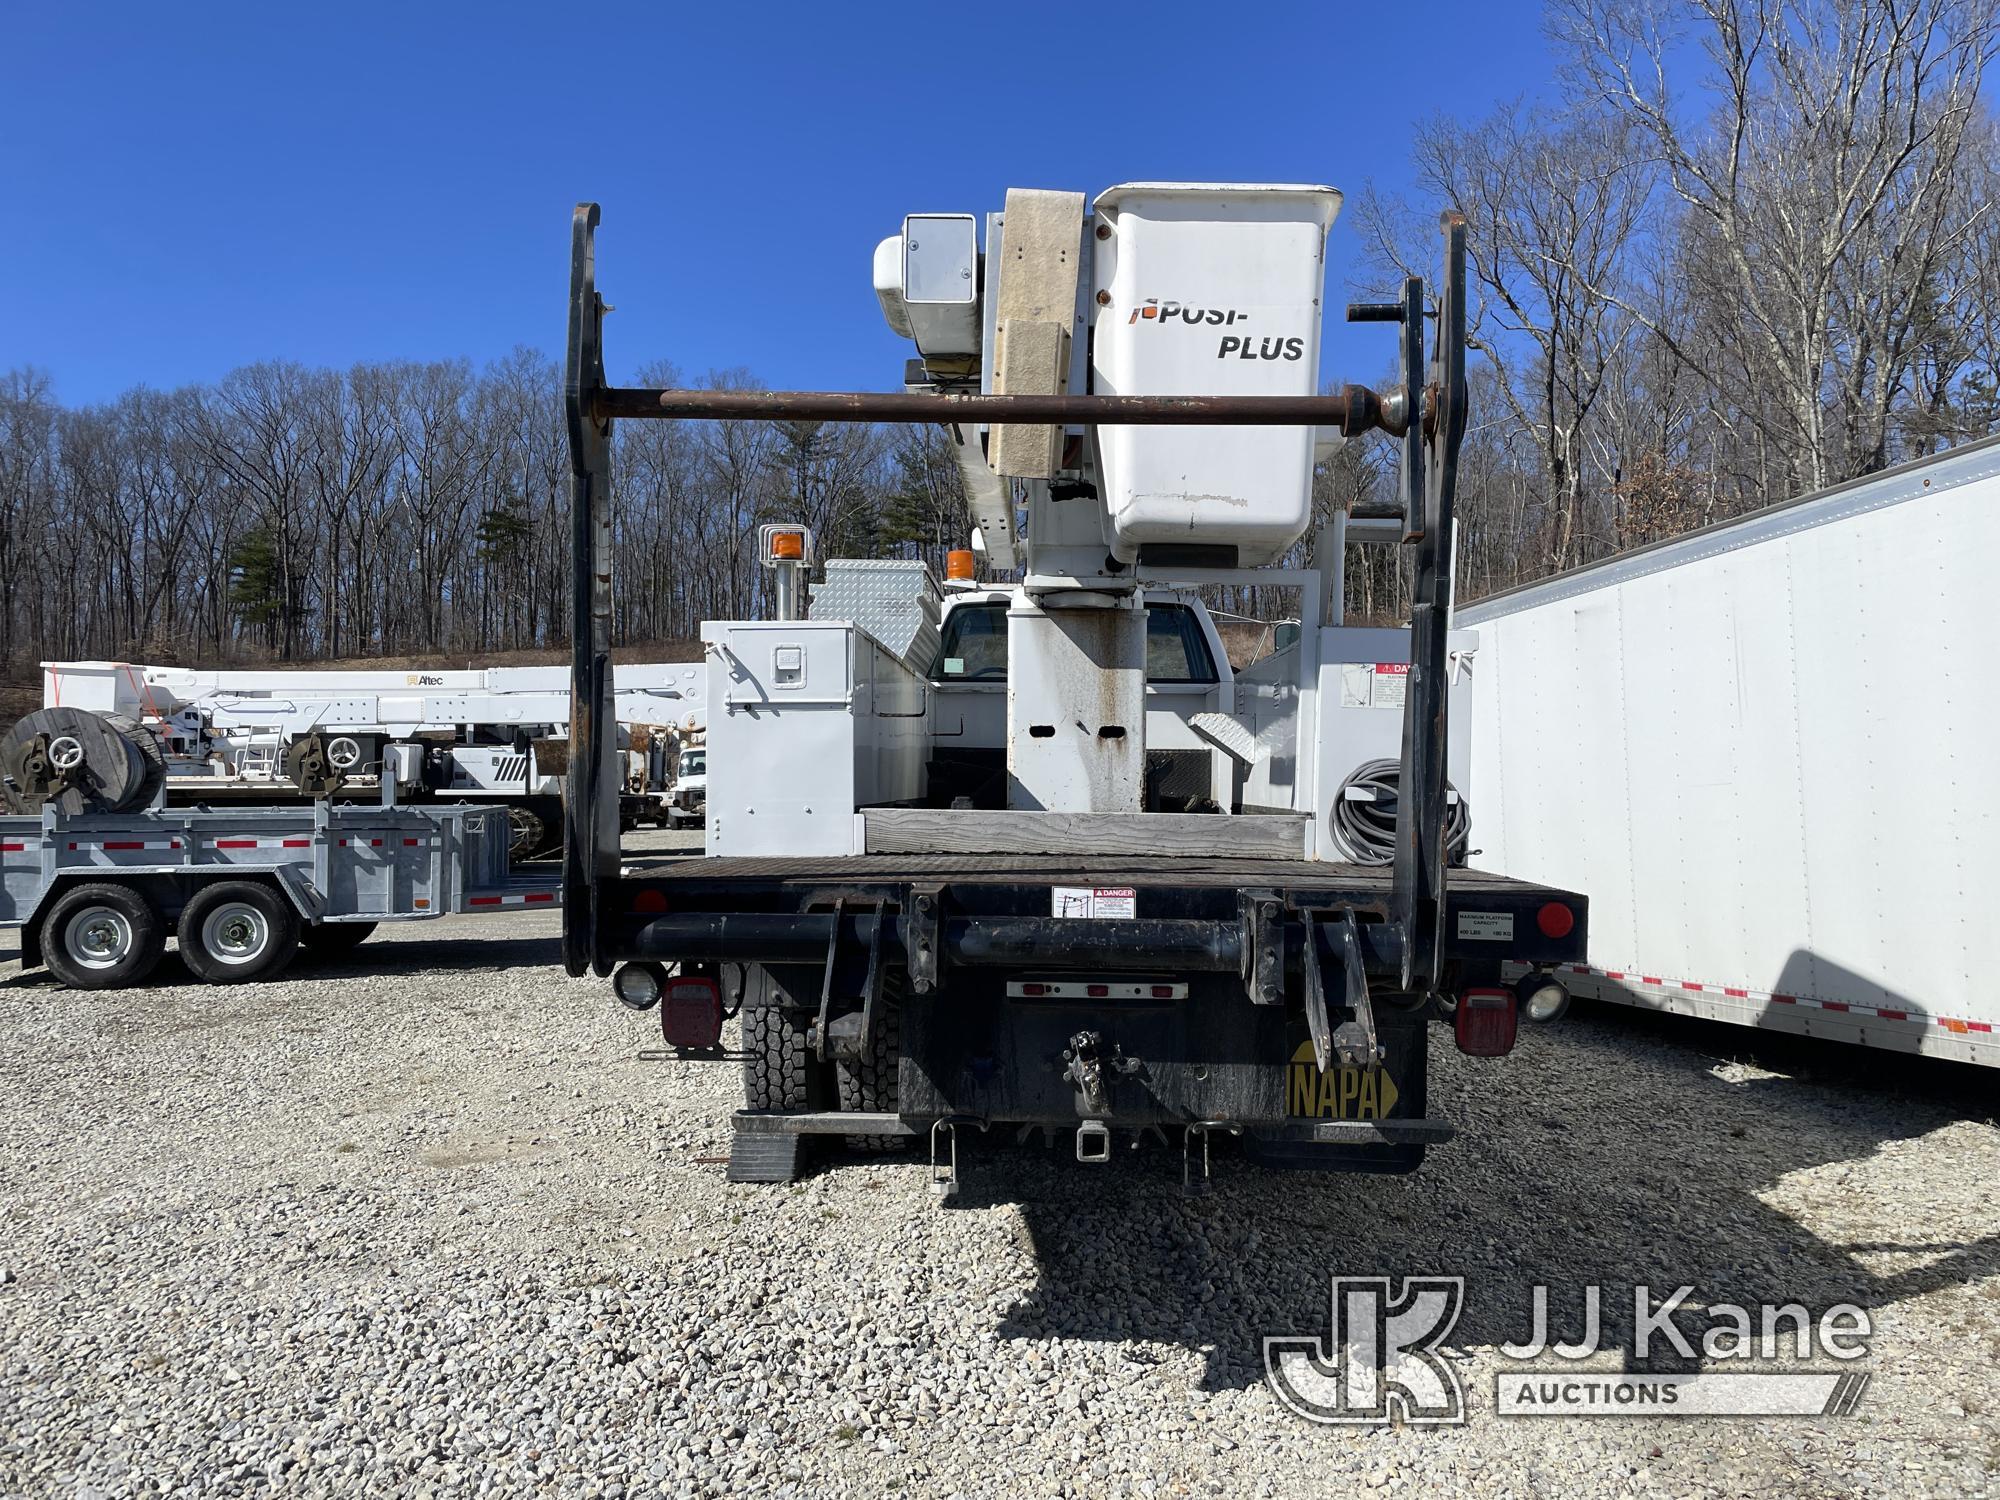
(1765, 748)
(1061, 869)
(484, 735)
(683, 778)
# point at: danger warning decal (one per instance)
(1379, 684)
(1340, 1093)
(1101, 902)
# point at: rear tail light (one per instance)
(1485, 1023)
(691, 1013)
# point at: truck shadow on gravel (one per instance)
(1615, 1154)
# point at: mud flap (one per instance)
(1396, 1091)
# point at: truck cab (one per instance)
(687, 794)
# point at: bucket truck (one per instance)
(1032, 858)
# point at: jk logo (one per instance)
(1380, 1361)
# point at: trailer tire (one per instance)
(334, 939)
(237, 932)
(870, 1081)
(102, 937)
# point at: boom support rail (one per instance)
(1354, 410)
(1427, 413)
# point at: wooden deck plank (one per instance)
(922, 830)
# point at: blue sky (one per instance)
(188, 188)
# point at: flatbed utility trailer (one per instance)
(97, 894)
(908, 961)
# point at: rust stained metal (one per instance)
(590, 848)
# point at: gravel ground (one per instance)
(422, 1223)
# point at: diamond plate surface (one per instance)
(894, 601)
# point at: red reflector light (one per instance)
(1485, 1024)
(691, 1013)
(1097, 991)
(650, 901)
(1032, 990)
(1555, 920)
(1163, 992)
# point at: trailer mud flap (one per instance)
(1370, 1119)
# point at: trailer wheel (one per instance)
(237, 931)
(334, 939)
(102, 937)
(869, 1082)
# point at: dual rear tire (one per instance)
(781, 1072)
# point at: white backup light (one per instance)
(639, 986)
(1545, 1000)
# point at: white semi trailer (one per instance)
(1765, 749)
(1063, 870)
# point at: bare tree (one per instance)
(1552, 213)
(1820, 188)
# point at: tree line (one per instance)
(402, 508)
(1750, 248)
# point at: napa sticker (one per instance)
(1340, 1093)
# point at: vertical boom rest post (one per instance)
(590, 851)
(1437, 426)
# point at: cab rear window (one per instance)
(975, 645)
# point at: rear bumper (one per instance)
(1200, 994)
(934, 925)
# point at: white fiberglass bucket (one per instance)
(1208, 289)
